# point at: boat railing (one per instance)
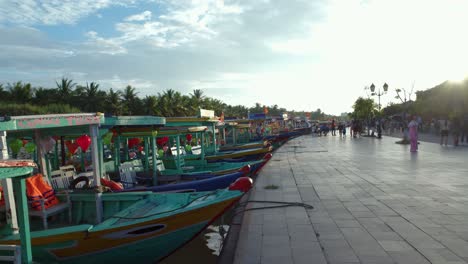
(15, 258)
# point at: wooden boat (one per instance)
(254, 153)
(172, 162)
(154, 225)
(117, 227)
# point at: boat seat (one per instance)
(59, 180)
(127, 175)
(43, 200)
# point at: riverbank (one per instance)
(374, 202)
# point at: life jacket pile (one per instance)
(37, 189)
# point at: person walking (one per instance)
(333, 127)
(413, 134)
(464, 134)
(456, 128)
(444, 129)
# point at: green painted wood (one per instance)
(12, 172)
(155, 163)
(19, 186)
(116, 154)
(48, 166)
(178, 152)
(202, 155)
(56, 158)
(125, 149)
(50, 121)
(135, 121)
(146, 153)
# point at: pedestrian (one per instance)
(444, 129)
(464, 134)
(333, 127)
(456, 128)
(378, 123)
(413, 134)
(340, 129)
(344, 130)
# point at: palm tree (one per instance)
(19, 92)
(132, 104)
(113, 102)
(166, 103)
(43, 96)
(150, 105)
(65, 89)
(197, 99)
(92, 98)
(3, 94)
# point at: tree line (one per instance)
(69, 97)
(448, 100)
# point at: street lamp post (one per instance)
(378, 94)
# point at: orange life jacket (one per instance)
(114, 186)
(37, 189)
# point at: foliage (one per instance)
(15, 109)
(22, 98)
(364, 109)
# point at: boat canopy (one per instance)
(50, 125)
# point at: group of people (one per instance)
(458, 129)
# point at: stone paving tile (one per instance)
(373, 203)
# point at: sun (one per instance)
(457, 76)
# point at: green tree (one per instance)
(19, 92)
(132, 104)
(92, 98)
(43, 96)
(113, 102)
(65, 90)
(150, 104)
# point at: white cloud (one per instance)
(102, 45)
(185, 22)
(52, 12)
(297, 54)
(143, 87)
(146, 15)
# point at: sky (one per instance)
(298, 54)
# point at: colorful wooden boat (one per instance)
(138, 226)
(117, 227)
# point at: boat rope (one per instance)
(168, 211)
(281, 205)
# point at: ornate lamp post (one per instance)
(379, 93)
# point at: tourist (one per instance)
(464, 134)
(340, 129)
(333, 128)
(413, 134)
(444, 129)
(455, 127)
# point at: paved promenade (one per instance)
(375, 202)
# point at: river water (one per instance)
(205, 248)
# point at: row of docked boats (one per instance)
(98, 188)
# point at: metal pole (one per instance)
(93, 131)
(155, 161)
(25, 234)
(8, 188)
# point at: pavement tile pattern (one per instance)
(374, 202)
